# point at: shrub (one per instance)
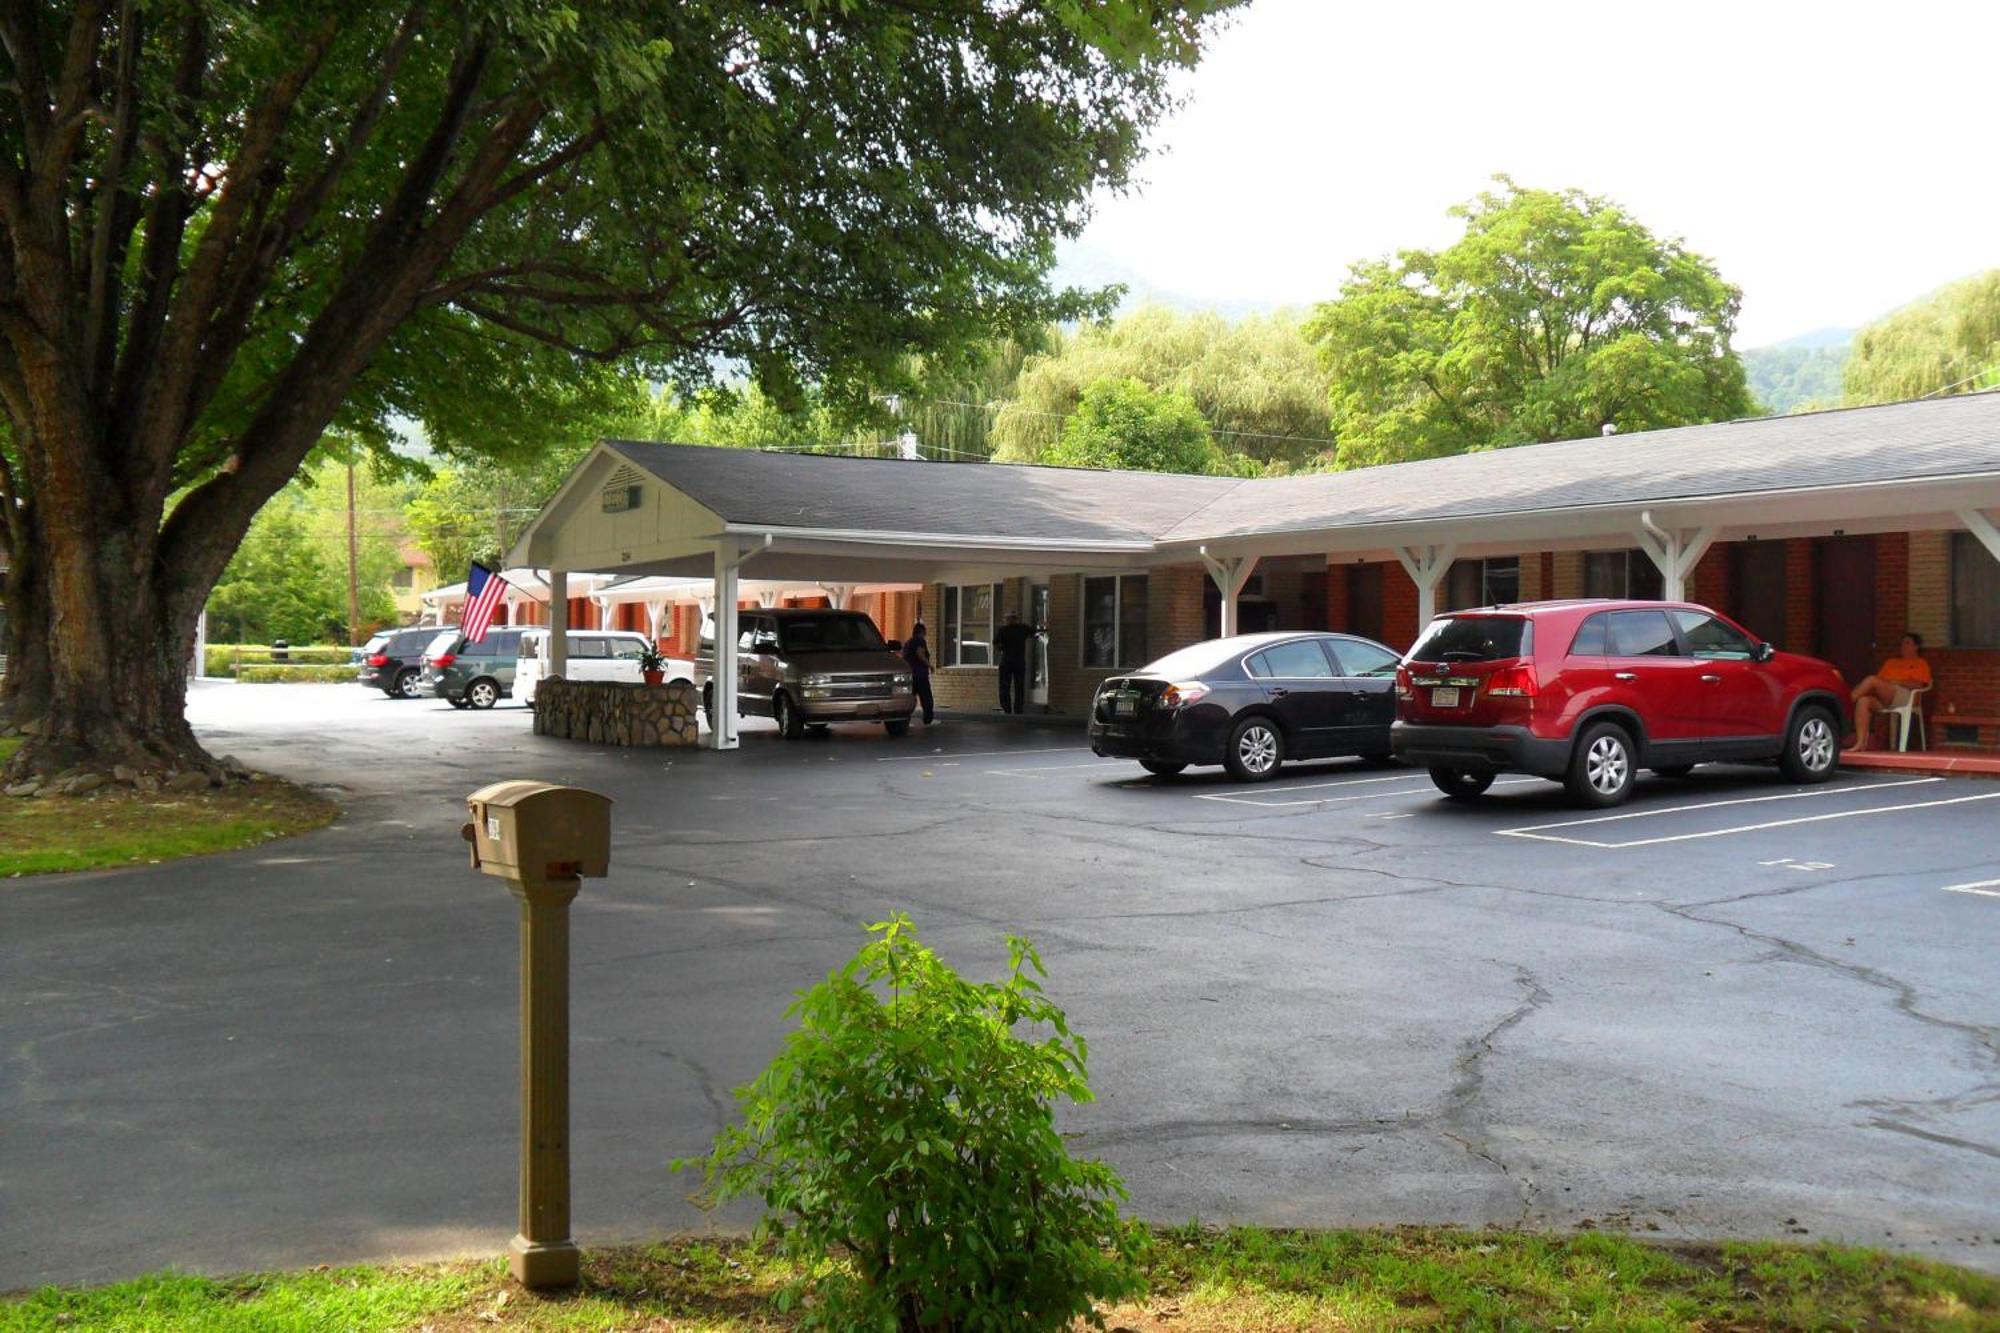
(283, 674)
(904, 1145)
(223, 659)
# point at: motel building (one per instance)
(1828, 533)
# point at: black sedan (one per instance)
(1250, 703)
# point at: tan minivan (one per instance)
(806, 668)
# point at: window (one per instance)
(967, 634)
(627, 650)
(405, 579)
(1362, 659)
(1474, 639)
(1290, 661)
(1591, 640)
(1627, 574)
(1114, 620)
(834, 632)
(589, 646)
(1494, 582)
(1711, 638)
(1641, 634)
(1975, 593)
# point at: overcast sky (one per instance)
(1834, 160)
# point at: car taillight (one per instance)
(1183, 693)
(442, 659)
(378, 659)
(1404, 690)
(1514, 682)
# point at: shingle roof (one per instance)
(1940, 437)
(1901, 441)
(956, 499)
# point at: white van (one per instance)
(594, 654)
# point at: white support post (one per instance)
(1230, 573)
(656, 611)
(1426, 566)
(838, 594)
(558, 622)
(730, 554)
(1674, 553)
(1982, 527)
(768, 597)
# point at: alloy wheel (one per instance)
(408, 684)
(1607, 765)
(1257, 748)
(483, 694)
(1816, 744)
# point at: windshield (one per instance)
(1471, 639)
(1195, 659)
(831, 633)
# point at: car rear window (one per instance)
(441, 643)
(1195, 659)
(377, 643)
(1290, 661)
(1473, 639)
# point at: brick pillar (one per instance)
(1531, 577)
(1927, 587)
(1399, 608)
(1336, 596)
(1173, 610)
(1799, 610)
(1565, 574)
(1892, 589)
(1710, 584)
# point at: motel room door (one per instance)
(1038, 646)
(1844, 604)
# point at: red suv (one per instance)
(1587, 693)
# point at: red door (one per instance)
(1647, 670)
(1845, 598)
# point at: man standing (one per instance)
(1010, 641)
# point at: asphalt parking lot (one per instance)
(1732, 1007)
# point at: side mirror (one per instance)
(1763, 652)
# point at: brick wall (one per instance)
(1799, 594)
(1967, 679)
(1399, 607)
(1336, 597)
(1174, 608)
(1565, 574)
(1710, 584)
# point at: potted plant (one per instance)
(652, 666)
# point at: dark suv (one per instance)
(1588, 693)
(393, 661)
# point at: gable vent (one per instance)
(621, 492)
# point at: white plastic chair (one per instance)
(1905, 710)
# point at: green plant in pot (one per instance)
(652, 666)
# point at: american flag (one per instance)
(483, 591)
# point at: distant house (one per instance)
(414, 577)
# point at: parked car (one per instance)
(472, 675)
(1250, 703)
(807, 668)
(1589, 692)
(393, 661)
(594, 654)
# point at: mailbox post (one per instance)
(542, 839)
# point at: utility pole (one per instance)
(353, 567)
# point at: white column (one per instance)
(1982, 527)
(1426, 566)
(1674, 553)
(199, 667)
(558, 622)
(722, 716)
(838, 594)
(769, 597)
(656, 611)
(1230, 574)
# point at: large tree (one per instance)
(1129, 424)
(1947, 343)
(232, 225)
(1556, 314)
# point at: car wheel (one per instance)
(408, 683)
(1812, 747)
(1461, 784)
(786, 714)
(1256, 748)
(482, 694)
(1675, 770)
(1601, 767)
(897, 726)
(1161, 769)
(457, 701)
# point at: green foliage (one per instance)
(1554, 314)
(1257, 382)
(1795, 379)
(1125, 424)
(293, 674)
(223, 659)
(904, 1145)
(1948, 342)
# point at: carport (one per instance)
(694, 514)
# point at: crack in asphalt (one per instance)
(1931, 1136)
(1455, 1116)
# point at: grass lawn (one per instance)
(1201, 1282)
(119, 826)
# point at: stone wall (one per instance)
(615, 713)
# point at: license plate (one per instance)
(1122, 706)
(1445, 698)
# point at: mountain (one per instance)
(1081, 265)
(1827, 337)
(1796, 376)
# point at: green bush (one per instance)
(222, 659)
(904, 1145)
(283, 674)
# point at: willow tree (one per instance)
(232, 225)
(1947, 343)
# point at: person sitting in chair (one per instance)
(1891, 686)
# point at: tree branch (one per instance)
(118, 212)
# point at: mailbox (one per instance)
(536, 832)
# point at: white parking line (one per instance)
(1654, 812)
(942, 757)
(1337, 800)
(1754, 828)
(1985, 888)
(1338, 782)
(1036, 770)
